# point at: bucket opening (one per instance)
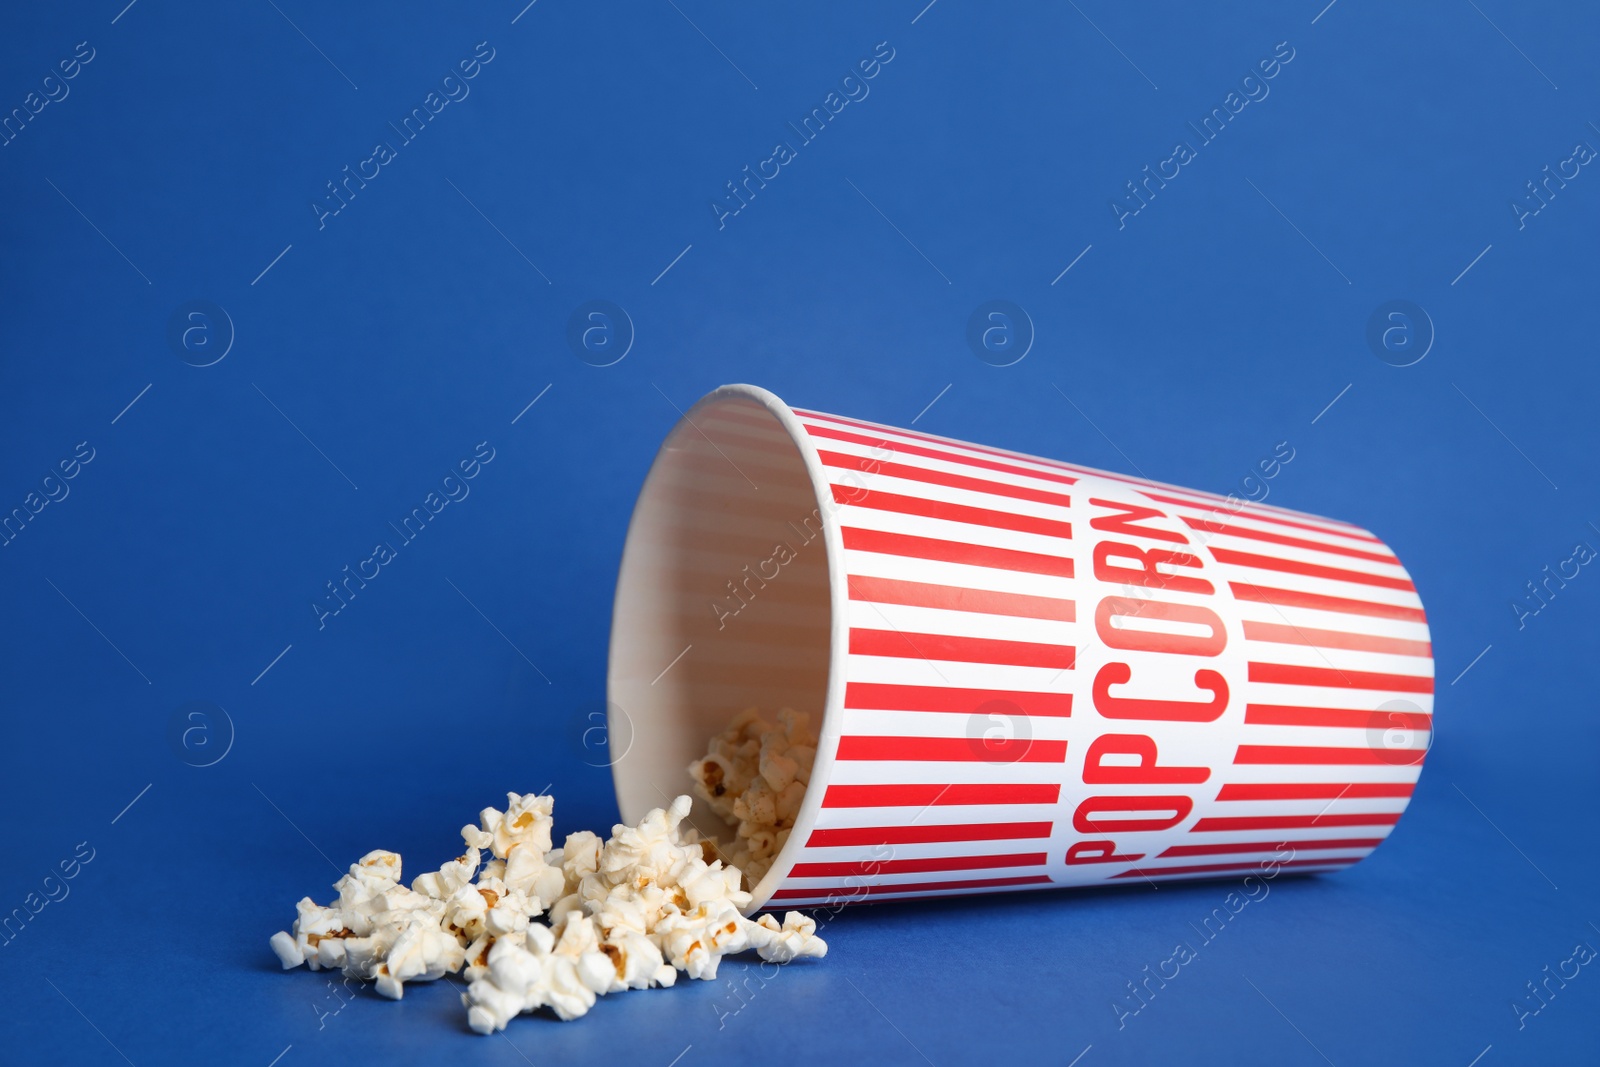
(723, 600)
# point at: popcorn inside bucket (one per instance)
(723, 623)
(755, 777)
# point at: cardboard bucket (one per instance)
(1024, 673)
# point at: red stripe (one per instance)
(1314, 755)
(1287, 715)
(1213, 526)
(931, 439)
(901, 796)
(1351, 531)
(855, 836)
(961, 598)
(1272, 846)
(869, 868)
(938, 509)
(1277, 633)
(1333, 678)
(975, 749)
(1292, 822)
(1313, 790)
(1000, 559)
(1205, 868)
(1310, 570)
(848, 892)
(882, 696)
(933, 477)
(1289, 598)
(986, 650)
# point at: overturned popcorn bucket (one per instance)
(1024, 673)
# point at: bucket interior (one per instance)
(722, 601)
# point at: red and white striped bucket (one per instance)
(1024, 673)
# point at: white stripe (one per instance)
(1340, 659)
(1268, 774)
(1303, 583)
(1316, 618)
(1318, 696)
(1324, 807)
(1314, 833)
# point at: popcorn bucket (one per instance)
(1023, 673)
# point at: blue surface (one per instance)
(180, 164)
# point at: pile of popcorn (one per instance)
(540, 927)
(755, 775)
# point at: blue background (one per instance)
(374, 353)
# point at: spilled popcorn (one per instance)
(538, 927)
(755, 775)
